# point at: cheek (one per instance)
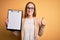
(32, 12)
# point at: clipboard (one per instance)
(15, 20)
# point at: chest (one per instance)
(29, 25)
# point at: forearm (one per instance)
(41, 30)
(22, 35)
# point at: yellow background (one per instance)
(49, 9)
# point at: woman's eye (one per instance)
(28, 7)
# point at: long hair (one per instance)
(34, 13)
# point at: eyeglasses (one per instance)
(30, 7)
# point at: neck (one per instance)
(30, 17)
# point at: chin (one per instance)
(29, 13)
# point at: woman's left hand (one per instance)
(41, 27)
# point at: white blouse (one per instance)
(29, 29)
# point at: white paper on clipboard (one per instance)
(15, 20)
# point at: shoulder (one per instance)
(37, 19)
(23, 19)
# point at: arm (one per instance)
(41, 27)
(22, 31)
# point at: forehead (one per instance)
(30, 5)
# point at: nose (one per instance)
(29, 10)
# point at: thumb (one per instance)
(42, 18)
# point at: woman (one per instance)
(32, 27)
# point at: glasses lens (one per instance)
(30, 7)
